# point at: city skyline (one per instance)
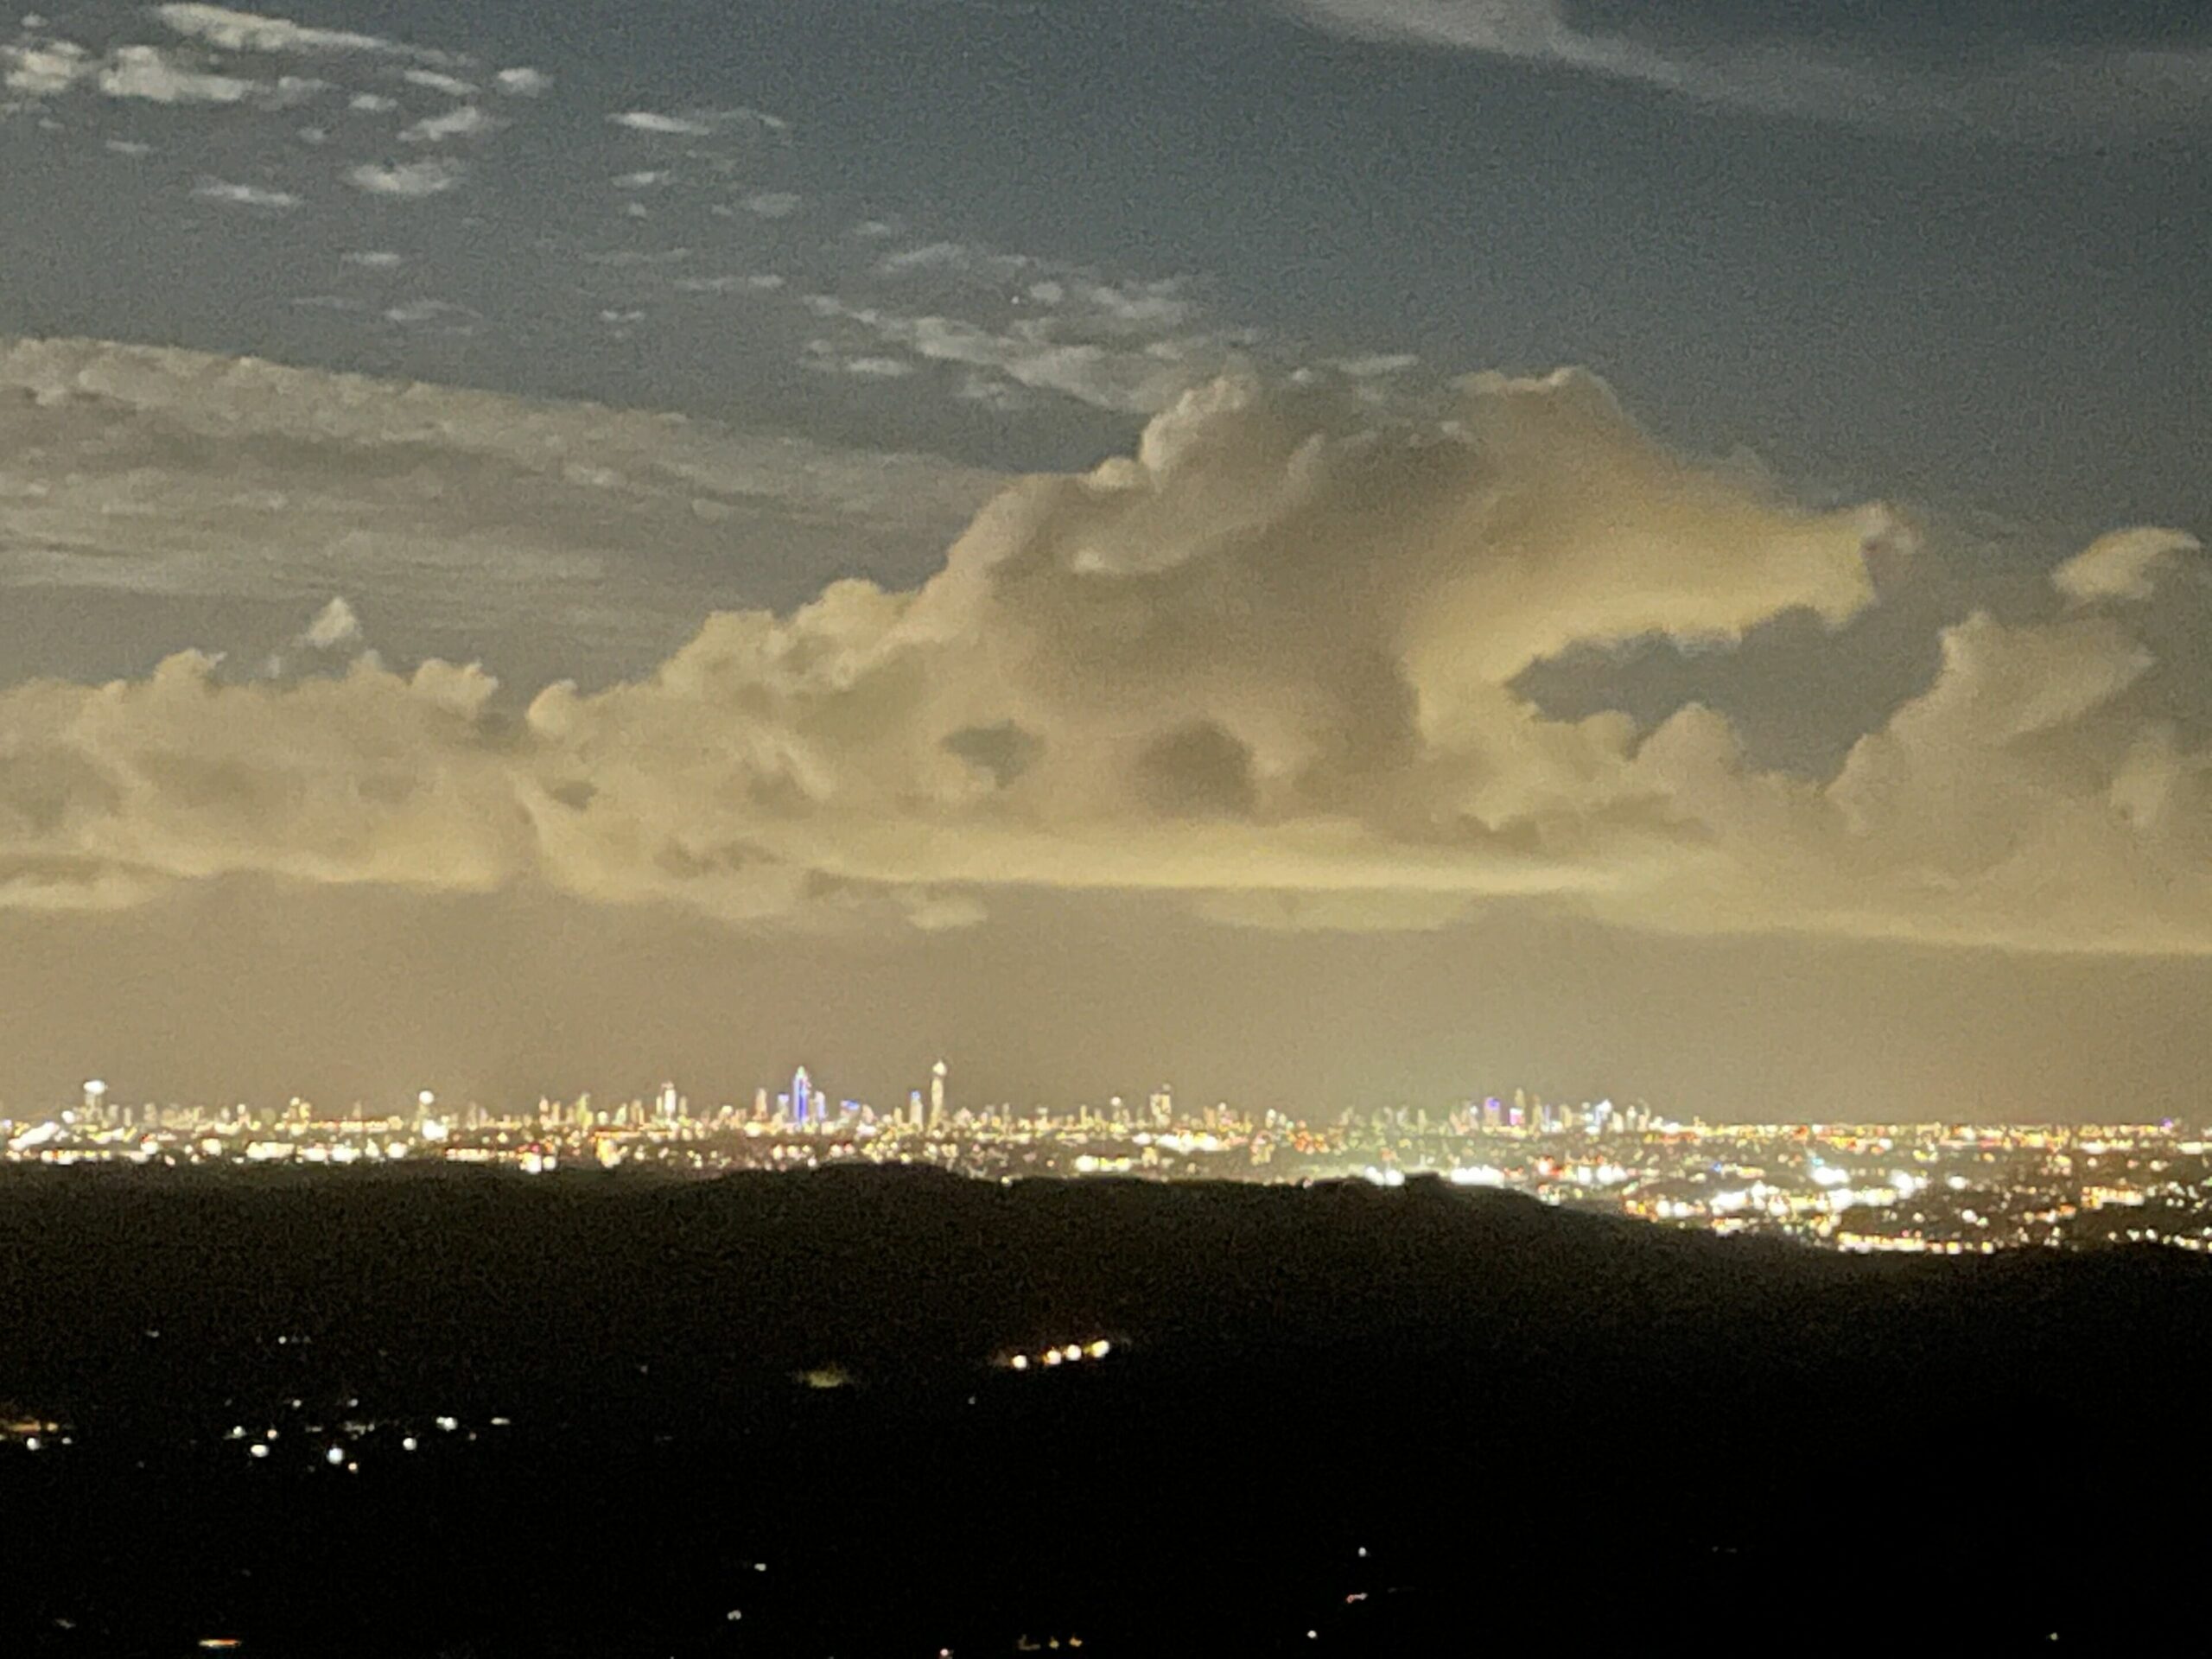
(1942, 1188)
(1304, 547)
(804, 1105)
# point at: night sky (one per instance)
(1335, 552)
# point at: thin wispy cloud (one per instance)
(428, 507)
(335, 624)
(698, 124)
(210, 58)
(669, 125)
(407, 180)
(244, 31)
(431, 81)
(2049, 97)
(2126, 565)
(47, 69)
(245, 195)
(39, 69)
(463, 121)
(440, 313)
(760, 283)
(147, 72)
(1130, 346)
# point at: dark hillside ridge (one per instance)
(1571, 1417)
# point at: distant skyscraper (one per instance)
(668, 1102)
(936, 1092)
(802, 1096)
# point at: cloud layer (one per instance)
(1269, 661)
(570, 538)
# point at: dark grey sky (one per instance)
(2010, 318)
(882, 254)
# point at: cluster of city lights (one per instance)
(1935, 1187)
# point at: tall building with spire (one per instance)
(937, 1093)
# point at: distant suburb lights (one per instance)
(1073, 1353)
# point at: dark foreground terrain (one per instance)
(770, 1415)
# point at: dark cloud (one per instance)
(1197, 771)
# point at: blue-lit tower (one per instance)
(802, 1096)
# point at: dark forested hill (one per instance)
(786, 1397)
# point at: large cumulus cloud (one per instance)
(1269, 660)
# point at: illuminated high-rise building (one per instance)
(668, 1102)
(936, 1092)
(802, 1097)
(915, 1109)
(1163, 1106)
